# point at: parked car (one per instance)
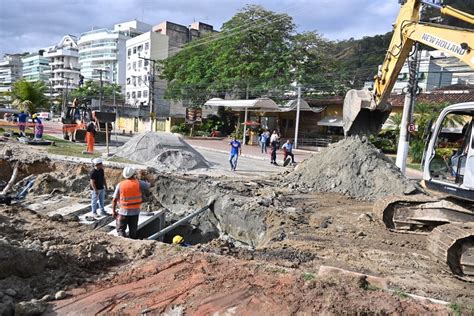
(9, 117)
(44, 115)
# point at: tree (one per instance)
(29, 96)
(314, 64)
(251, 54)
(91, 90)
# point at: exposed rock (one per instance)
(60, 295)
(32, 307)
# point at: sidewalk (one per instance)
(249, 151)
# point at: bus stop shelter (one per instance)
(258, 105)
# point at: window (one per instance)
(133, 95)
(147, 46)
(134, 81)
(129, 66)
(139, 94)
(145, 78)
(129, 52)
(145, 93)
(145, 63)
(140, 48)
(128, 80)
(134, 50)
(139, 64)
(134, 65)
(128, 95)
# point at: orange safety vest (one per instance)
(130, 194)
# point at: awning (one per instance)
(304, 106)
(335, 121)
(260, 104)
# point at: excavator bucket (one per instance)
(361, 115)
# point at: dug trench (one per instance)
(258, 250)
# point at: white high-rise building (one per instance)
(10, 71)
(140, 51)
(105, 50)
(36, 67)
(64, 65)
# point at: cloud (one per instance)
(27, 25)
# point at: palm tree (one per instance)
(29, 96)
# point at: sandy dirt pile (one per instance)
(162, 151)
(353, 167)
(42, 256)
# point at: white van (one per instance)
(44, 115)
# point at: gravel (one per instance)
(162, 151)
(353, 167)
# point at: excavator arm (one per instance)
(364, 112)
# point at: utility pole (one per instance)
(408, 107)
(65, 96)
(297, 124)
(151, 88)
(101, 92)
(245, 115)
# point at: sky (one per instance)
(29, 25)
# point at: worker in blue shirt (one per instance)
(22, 117)
(235, 150)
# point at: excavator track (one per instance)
(449, 226)
(453, 244)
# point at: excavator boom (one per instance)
(364, 112)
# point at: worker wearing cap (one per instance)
(179, 240)
(38, 127)
(98, 187)
(128, 194)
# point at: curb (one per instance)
(227, 153)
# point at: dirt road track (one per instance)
(201, 284)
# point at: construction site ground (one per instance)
(273, 271)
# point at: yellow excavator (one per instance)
(446, 212)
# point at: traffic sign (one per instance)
(411, 127)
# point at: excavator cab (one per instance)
(449, 163)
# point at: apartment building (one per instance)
(35, 67)
(431, 75)
(105, 50)
(166, 39)
(142, 52)
(64, 68)
(10, 70)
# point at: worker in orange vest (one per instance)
(128, 194)
(90, 137)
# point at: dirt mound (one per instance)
(162, 151)
(353, 167)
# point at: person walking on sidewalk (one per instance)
(288, 150)
(274, 145)
(128, 194)
(98, 187)
(263, 141)
(235, 151)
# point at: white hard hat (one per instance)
(128, 172)
(96, 161)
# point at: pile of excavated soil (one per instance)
(162, 151)
(41, 256)
(353, 167)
